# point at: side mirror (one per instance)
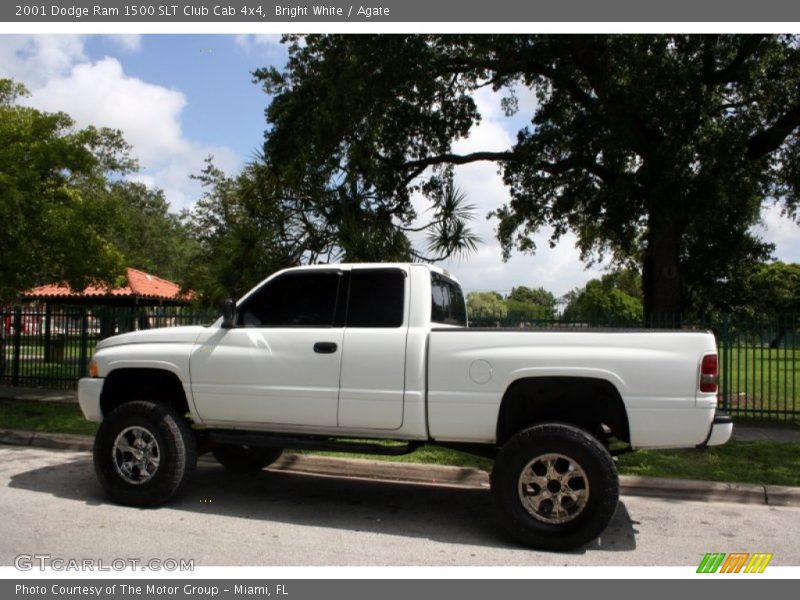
(229, 314)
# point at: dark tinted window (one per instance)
(304, 299)
(448, 304)
(377, 298)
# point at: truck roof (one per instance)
(397, 265)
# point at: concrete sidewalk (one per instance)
(741, 432)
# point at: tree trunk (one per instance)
(662, 284)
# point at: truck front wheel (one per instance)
(556, 486)
(245, 459)
(144, 453)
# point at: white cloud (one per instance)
(145, 179)
(266, 47)
(781, 231)
(101, 93)
(527, 103)
(33, 60)
(248, 41)
(130, 42)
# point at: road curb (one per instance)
(778, 495)
(461, 477)
(690, 489)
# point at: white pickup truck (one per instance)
(348, 357)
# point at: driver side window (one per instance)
(299, 299)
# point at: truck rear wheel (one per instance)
(556, 486)
(144, 453)
(245, 459)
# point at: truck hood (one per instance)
(164, 335)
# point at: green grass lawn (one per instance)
(743, 462)
(46, 417)
(767, 463)
(759, 379)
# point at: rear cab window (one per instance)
(377, 298)
(447, 301)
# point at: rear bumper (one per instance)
(720, 431)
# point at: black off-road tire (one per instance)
(176, 451)
(585, 452)
(245, 459)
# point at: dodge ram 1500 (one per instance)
(348, 357)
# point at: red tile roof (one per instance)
(140, 285)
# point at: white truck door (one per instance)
(281, 364)
(373, 361)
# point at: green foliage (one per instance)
(615, 298)
(776, 289)
(243, 233)
(656, 150)
(449, 233)
(148, 235)
(342, 117)
(538, 302)
(252, 224)
(54, 220)
(481, 304)
(760, 293)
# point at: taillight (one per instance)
(709, 374)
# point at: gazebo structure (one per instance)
(111, 309)
(48, 336)
(142, 289)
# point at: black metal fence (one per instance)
(759, 360)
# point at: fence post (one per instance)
(725, 350)
(84, 342)
(48, 325)
(17, 346)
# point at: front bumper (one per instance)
(720, 431)
(89, 390)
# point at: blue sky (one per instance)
(180, 98)
(214, 72)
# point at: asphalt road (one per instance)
(51, 504)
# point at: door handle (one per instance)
(325, 347)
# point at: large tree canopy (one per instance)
(656, 150)
(767, 292)
(55, 216)
(147, 233)
(537, 302)
(615, 298)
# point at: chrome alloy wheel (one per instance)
(553, 488)
(136, 455)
